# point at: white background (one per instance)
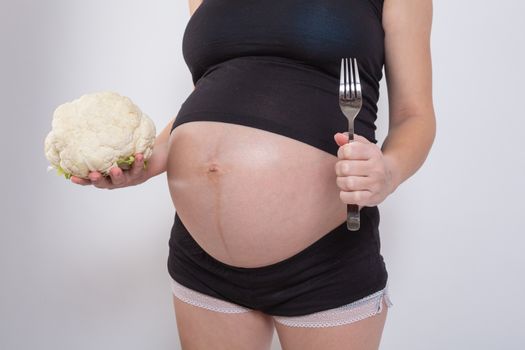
(82, 268)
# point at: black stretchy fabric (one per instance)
(337, 269)
(274, 65)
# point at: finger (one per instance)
(117, 176)
(80, 181)
(138, 165)
(361, 139)
(354, 183)
(340, 139)
(94, 176)
(357, 137)
(352, 167)
(355, 197)
(356, 150)
(98, 180)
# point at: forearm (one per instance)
(406, 147)
(157, 163)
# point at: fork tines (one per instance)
(350, 75)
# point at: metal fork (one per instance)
(350, 102)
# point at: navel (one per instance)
(213, 168)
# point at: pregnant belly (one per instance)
(250, 197)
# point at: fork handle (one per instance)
(353, 219)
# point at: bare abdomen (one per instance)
(250, 197)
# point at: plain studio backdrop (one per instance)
(83, 268)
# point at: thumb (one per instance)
(341, 138)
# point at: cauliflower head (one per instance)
(96, 132)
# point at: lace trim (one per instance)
(205, 301)
(355, 311)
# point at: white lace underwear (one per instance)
(205, 301)
(355, 311)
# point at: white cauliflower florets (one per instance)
(97, 132)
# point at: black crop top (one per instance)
(275, 65)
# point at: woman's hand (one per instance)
(117, 177)
(362, 172)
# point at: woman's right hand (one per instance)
(117, 177)
(136, 175)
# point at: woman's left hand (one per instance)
(362, 172)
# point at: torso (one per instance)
(242, 201)
(248, 196)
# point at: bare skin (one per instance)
(245, 196)
(361, 335)
(202, 329)
(224, 180)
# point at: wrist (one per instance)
(158, 162)
(391, 172)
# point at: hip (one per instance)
(339, 268)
